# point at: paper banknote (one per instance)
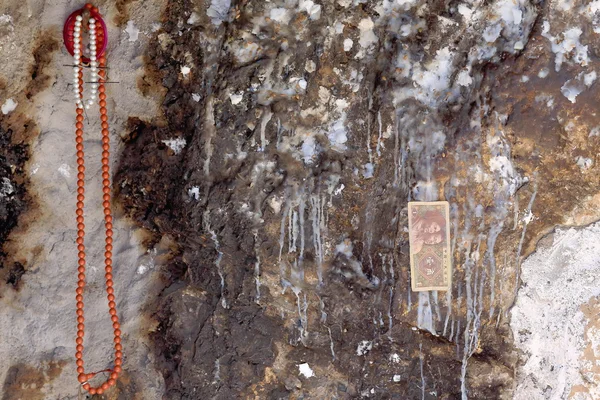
(429, 236)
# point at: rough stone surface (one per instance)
(267, 151)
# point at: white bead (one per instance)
(92, 20)
(93, 47)
(87, 106)
(79, 18)
(93, 57)
(93, 91)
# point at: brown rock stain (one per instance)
(29, 382)
(591, 354)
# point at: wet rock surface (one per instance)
(275, 181)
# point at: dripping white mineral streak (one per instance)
(454, 218)
(257, 266)
(215, 240)
(317, 227)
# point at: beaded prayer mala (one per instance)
(95, 61)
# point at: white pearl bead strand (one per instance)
(77, 54)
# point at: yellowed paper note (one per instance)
(429, 236)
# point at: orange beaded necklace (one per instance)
(73, 40)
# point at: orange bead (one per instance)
(79, 147)
(79, 298)
(108, 247)
(81, 269)
(111, 297)
(80, 161)
(105, 153)
(109, 240)
(80, 284)
(109, 226)
(79, 291)
(81, 226)
(80, 198)
(108, 276)
(79, 347)
(105, 386)
(105, 125)
(118, 361)
(79, 118)
(79, 125)
(102, 104)
(118, 347)
(79, 111)
(80, 154)
(93, 391)
(81, 176)
(80, 319)
(103, 117)
(78, 355)
(106, 189)
(78, 139)
(111, 381)
(118, 354)
(110, 290)
(109, 232)
(80, 361)
(112, 311)
(102, 59)
(114, 375)
(80, 370)
(111, 304)
(86, 386)
(80, 333)
(82, 378)
(79, 132)
(118, 369)
(80, 218)
(80, 190)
